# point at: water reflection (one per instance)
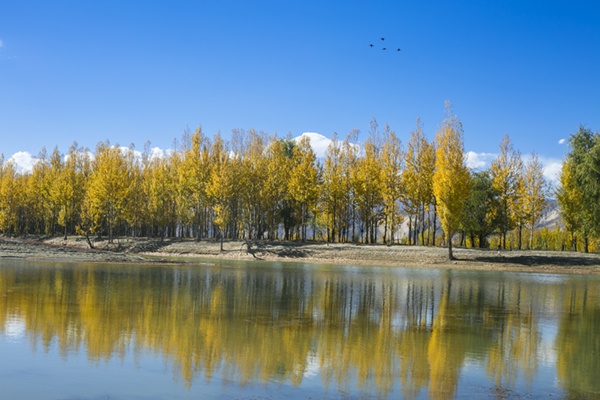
(384, 332)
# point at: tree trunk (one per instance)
(303, 226)
(375, 232)
(450, 255)
(434, 221)
(385, 228)
(416, 230)
(482, 241)
(423, 226)
(89, 242)
(392, 229)
(531, 233)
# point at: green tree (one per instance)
(477, 221)
(569, 197)
(282, 210)
(585, 161)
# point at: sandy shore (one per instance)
(141, 250)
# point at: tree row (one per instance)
(258, 186)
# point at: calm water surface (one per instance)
(267, 331)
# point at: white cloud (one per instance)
(90, 156)
(126, 150)
(479, 160)
(169, 152)
(562, 141)
(318, 142)
(552, 168)
(23, 161)
(156, 153)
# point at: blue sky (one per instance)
(137, 71)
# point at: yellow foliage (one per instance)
(451, 179)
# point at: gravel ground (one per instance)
(138, 250)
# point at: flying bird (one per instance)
(371, 45)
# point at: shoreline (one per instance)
(185, 251)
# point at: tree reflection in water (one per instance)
(372, 330)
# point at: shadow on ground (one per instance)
(290, 250)
(570, 261)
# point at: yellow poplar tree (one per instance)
(133, 214)
(367, 183)
(57, 189)
(451, 180)
(68, 185)
(249, 148)
(304, 181)
(38, 192)
(158, 186)
(198, 161)
(506, 180)
(417, 178)
(108, 191)
(220, 187)
(533, 193)
(191, 172)
(182, 175)
(391, 181)
(368, 188)
(8, 199)
(349, 163)
(333, 187)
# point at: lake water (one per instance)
(269, 330)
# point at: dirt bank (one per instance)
(137, 250)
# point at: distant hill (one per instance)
(550, 216)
